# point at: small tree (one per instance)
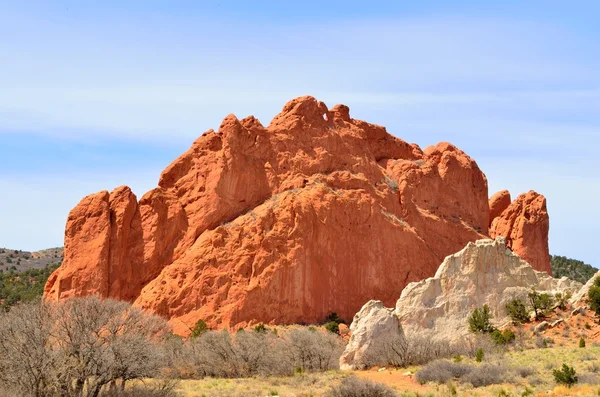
(333, 327)
(565, 376)
(541, 304)
(581, 343)
(479, 321)
(517, 311)
(199, 329)
(562, 300)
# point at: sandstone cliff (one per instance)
(316, 213)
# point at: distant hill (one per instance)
(21, 261)
(23, 286)
(571, 268)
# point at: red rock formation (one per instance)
(525, 224)
(498, 203)
(315, 213)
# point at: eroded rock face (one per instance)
(525, 224)
(316, 213)
(485, 272)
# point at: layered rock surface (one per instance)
(484, 272)
(316, 213)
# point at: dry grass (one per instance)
(301, 385)
(536, 381)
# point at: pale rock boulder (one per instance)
(484, 272)
(372, 327)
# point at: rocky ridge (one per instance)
(316, 213)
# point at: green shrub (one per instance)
(503, 338)
(517, 311)
(479, 321)
(261, 329)
(199, 329)
(582, 343)
(333, 327)
(333, 317)
(594, 296)
(565, 376)
(479, 355)
(541, 304)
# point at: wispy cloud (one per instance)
(522, 96)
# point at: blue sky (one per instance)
(98, 94)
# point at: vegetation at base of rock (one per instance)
(565, 376)
(594, 296)
(517, 311)
(503, 337)
(581, 343)
(199, 329)
(77, 347)
(261, 328)
(220, 354)
(409, 350)
(479, 321)
(84, 347)
(353, 386)
(541, 304)
(24, 286)
(571, 268)
(332, 327)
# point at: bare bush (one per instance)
(77, 347)
(441, 371)
(589, 379)
(100, 341)
(162, 389)
(27, 360)
(525, 372)
(313, 350)
(250, 353)
(486, 375)
(352, 386)
(400, 351)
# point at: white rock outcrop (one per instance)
(484, 272)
